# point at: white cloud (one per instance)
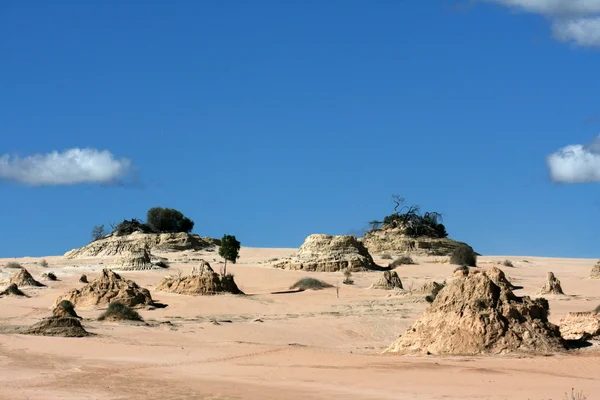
(576, 163)
(71, 167)
(576, 21)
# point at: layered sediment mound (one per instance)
(58, 326)
(388, 281)
(472, 315)
(109, 287)
(114, 245)
(24, 278)
(580, 325)
(326, 253)
(595, 274)
(393, 240)
(12, 290)
(135, 260)
(498, 277)
(552, 285)
(203, 282)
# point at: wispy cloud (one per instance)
(71, 167)
(574, 21)
(576, 163)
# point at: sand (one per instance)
(307, 345)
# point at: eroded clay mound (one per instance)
(202, 282)
(389, 281)
(113, 245)
(58, 326)
(580, 325)
(326, 253)
(24, 278)
(472, 315)
(109, 286)
(498, 277)
(12, 290)
(65, 309)
(136, 260)
(595, 274)
(393, 240)
(552, 285)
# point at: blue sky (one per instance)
(273, 120)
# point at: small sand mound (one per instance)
(24, 278)
(595, 274)
(83, 279)
(58, 326)
(12, 290)
(552, 286)
(205, 282)
(109, 287)
(388, 281)
(119, 312)
(472, 315)
(65, 309)
(580, 325)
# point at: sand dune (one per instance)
(306, 345)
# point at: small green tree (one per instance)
(229, 250)
(98, 232)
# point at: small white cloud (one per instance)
(576, 163)
(71, 167)
(576, 21)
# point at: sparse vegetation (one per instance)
(464, 255)
(14, 265)
(348, 277)
(127, 227)
(508, 263)
(412, 221)
(44, 263)
(67, 306)
(229, 250)
(575, 395)
(402, 260)
(98, 232)
(386, 256)
(119, 311)
(168, 220)
(310, 283)
(50, 276)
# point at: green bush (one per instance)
(464, 255)
(119, 311)
(402, 260)
(310, 283)
(168, 220)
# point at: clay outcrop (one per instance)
(109, 287)
(202, 282)
(393, 240)
(595, 274)
(135, 260)
(24, 278)
(552, 285)
(58, 326)
(389, 280)
(326, 253)
(114, 245)
(473, 315)
(580, 325)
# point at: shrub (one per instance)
(348, 277)
(98, 232)
(127, 227)
(507, 263)
(14, 265)
(163, 264)
(402, 260)
(310, 283)
(168, 220)
(67, 306)
(464, 255)
(44, 263)
(50, 276)
(575, 395)
(386, 256)
(119, 311)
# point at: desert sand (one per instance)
(306, 345)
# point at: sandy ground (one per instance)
(308, 345)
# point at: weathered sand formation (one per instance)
(83, 279)
(135, 260)
(65, 309)
(472, 315)
(595, 274)
(109, 287)
(552, 286)
(58, 326)
(393, 240)
(498, 277)
(114, 245)
(580, 325)
(203, 281)
(12, 290)
(389, 281)
(24, 278)
(326, 253)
